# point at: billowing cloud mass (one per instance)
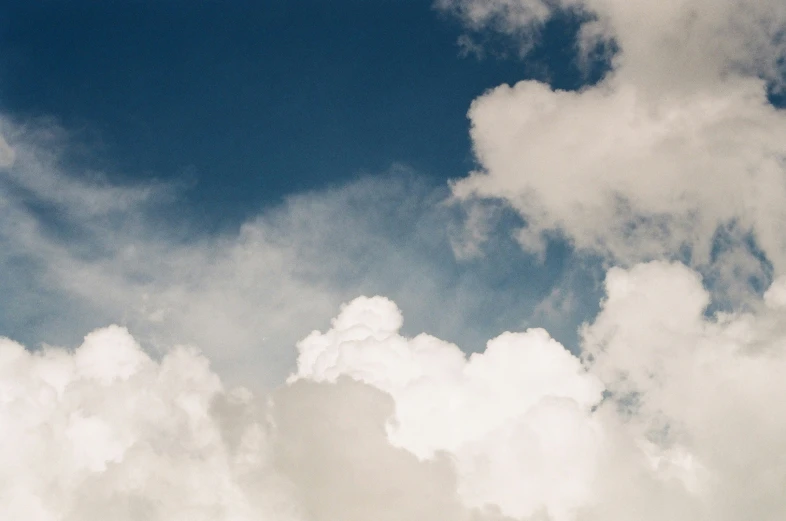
(678, 140)
(669, 415)
(689, 427)
(106, 432)
(515, 402)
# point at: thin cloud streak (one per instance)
(97, 253)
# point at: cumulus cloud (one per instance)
(632, 177)
(677, 142)
(669, 414)
(332, 443)
(106, 432)
(508, 405)
(704, 388)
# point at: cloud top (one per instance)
(656, 417)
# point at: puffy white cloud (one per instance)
(691, 43)
(677, 142)
(444, 400)
(671, 414)
(332, 443)
(516, 418)
(668, 412)
(689, 428)
(703, 388)
(633, 177)
(630, 176)
(106, 432)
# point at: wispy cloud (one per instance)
(82, 252)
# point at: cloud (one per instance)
(676, 143)
(669, 413)
(332, 443)
(107, 432)
(657, 420)
(630, 176)
(700, 387)
(686, 42)
(79, 251)
(519, 18)
(669, 410)
(493, 412)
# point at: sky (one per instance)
(252, 101)
(235, 109)
(482, 260)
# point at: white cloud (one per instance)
(631, 176)
(331, 442)
(678, 141)
(516, 418)
(513, 13)
(672, 415)
(515, 372)
(704, 387)
(661, 44)
(105, 432)
(526, 424)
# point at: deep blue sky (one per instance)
(255, 100)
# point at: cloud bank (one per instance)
(107, 432)
(669, 414)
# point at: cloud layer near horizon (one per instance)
(671, 415)
(106, 431)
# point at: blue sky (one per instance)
(251, 101)
(242, 105)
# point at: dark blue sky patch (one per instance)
(251, 101)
